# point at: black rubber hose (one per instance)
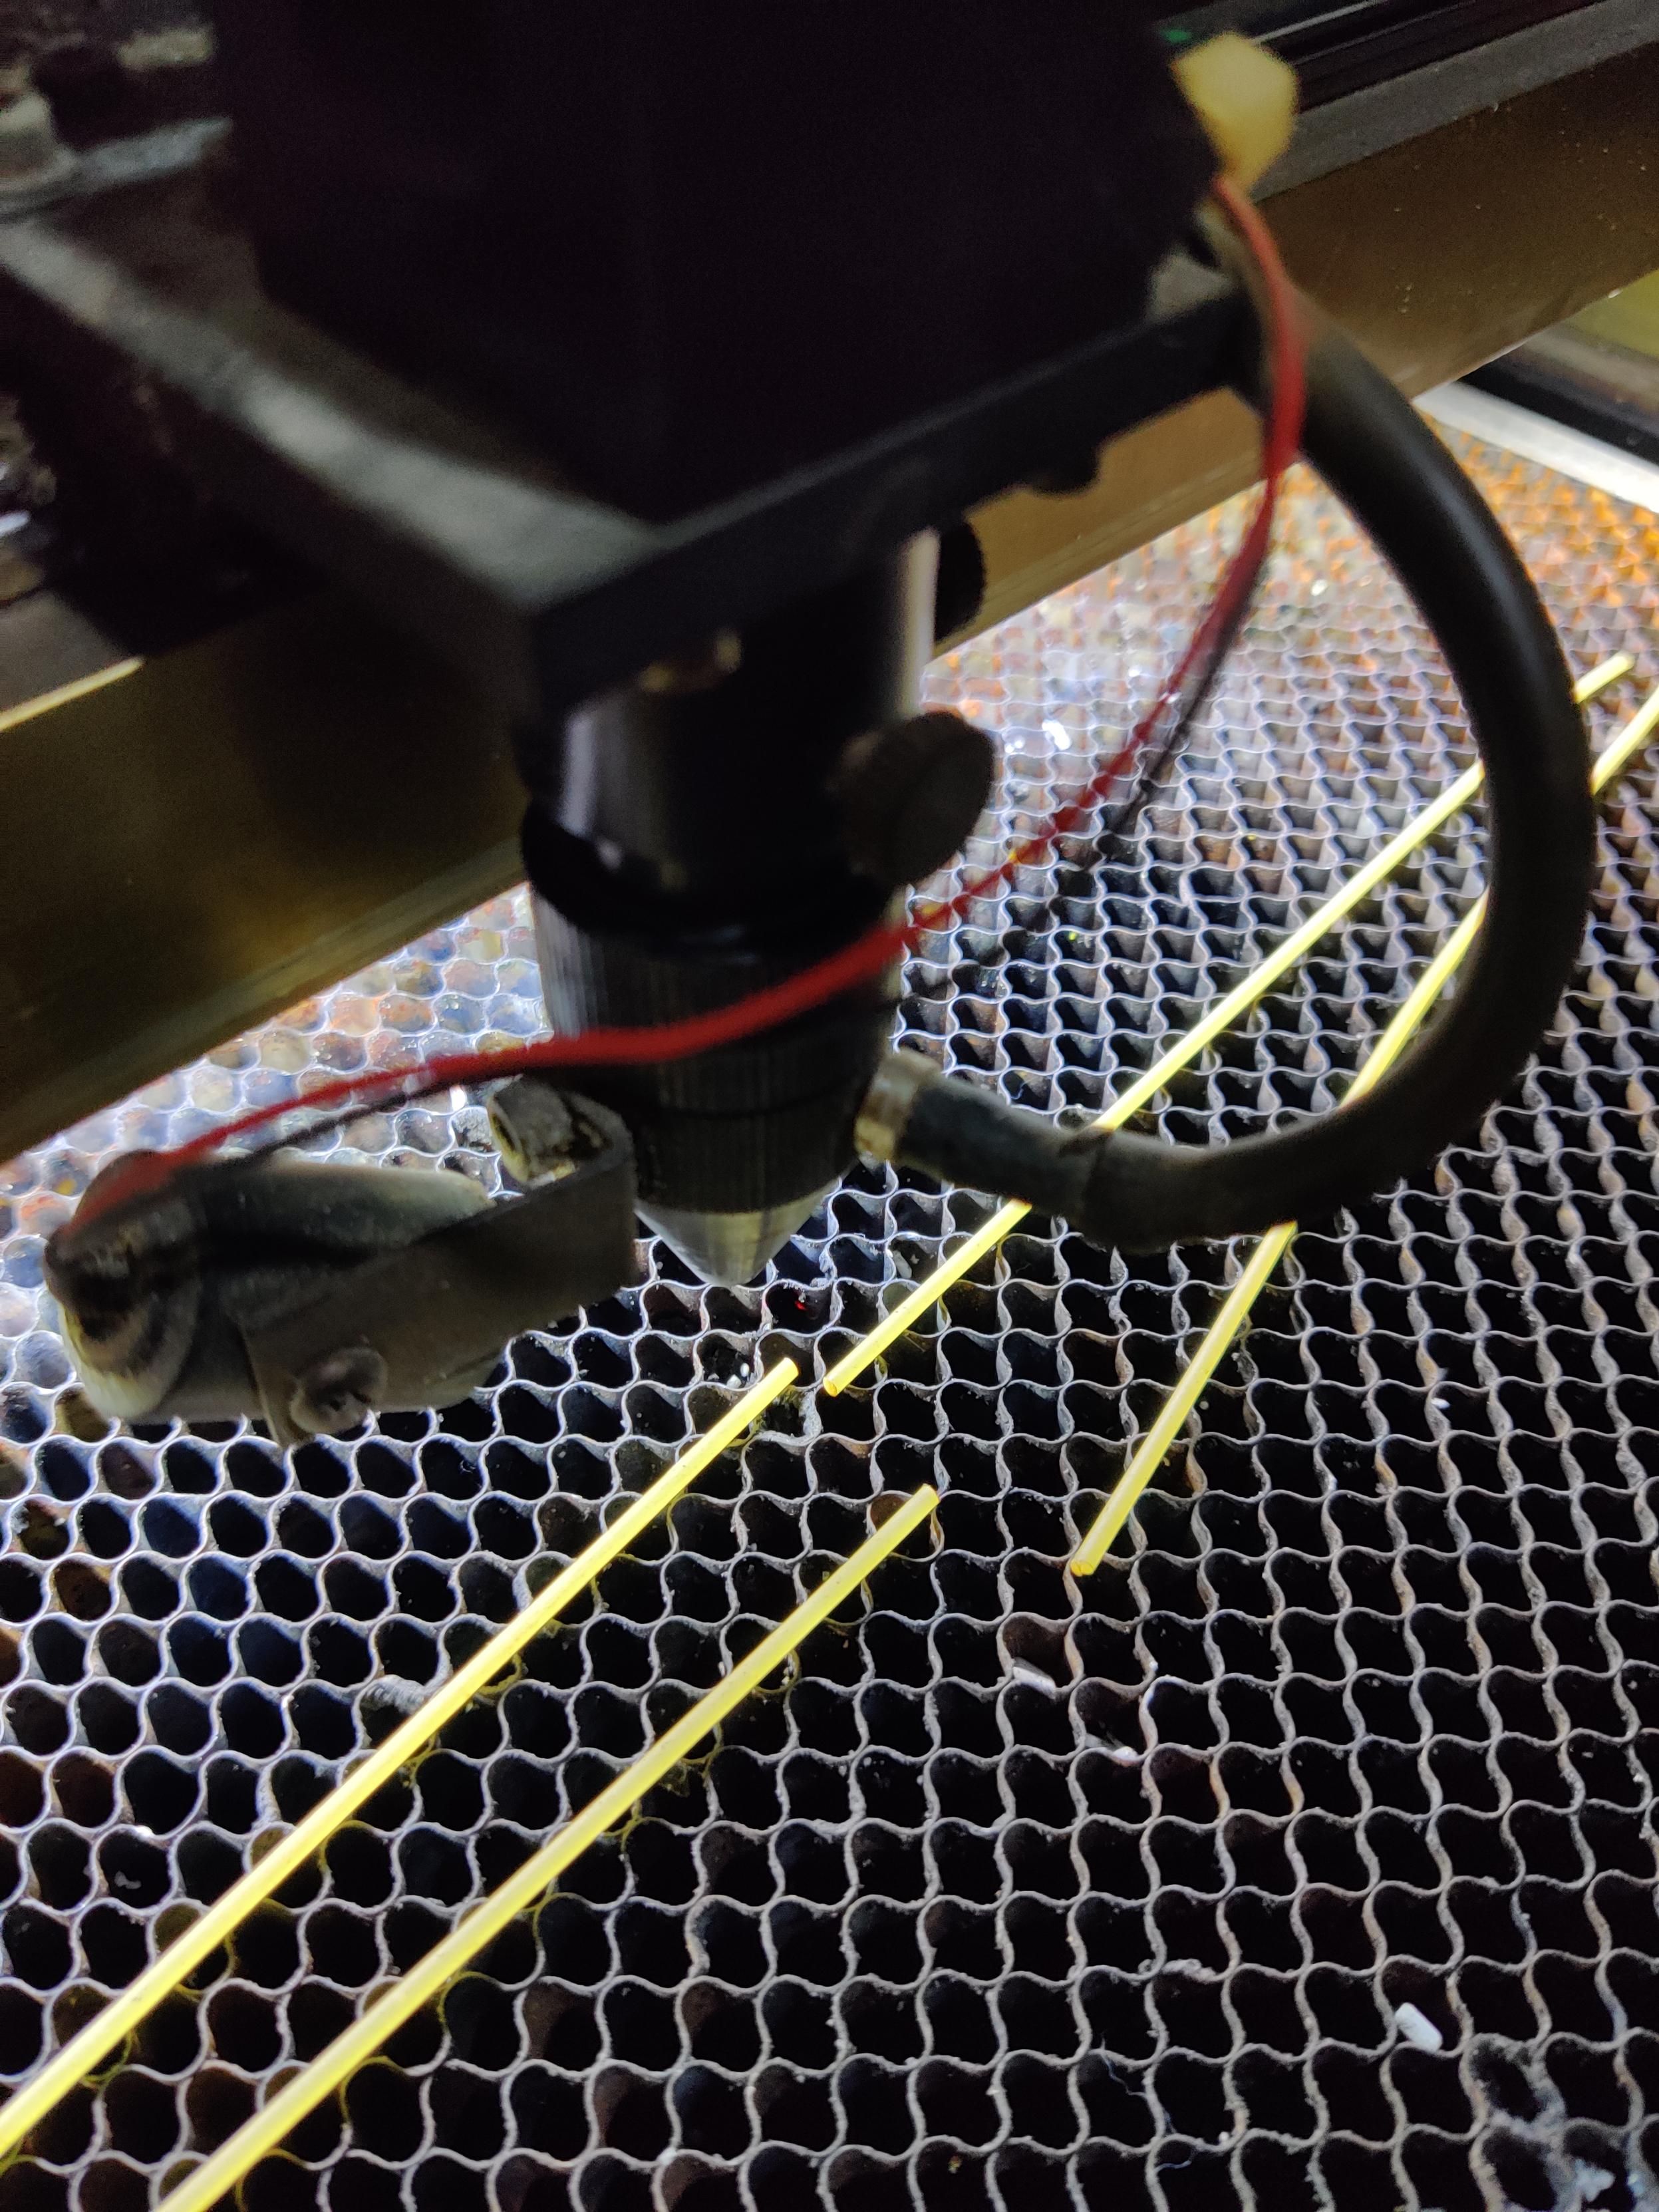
(1134, 1191)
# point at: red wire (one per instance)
(827, 979)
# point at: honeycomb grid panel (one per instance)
(1025, 1892)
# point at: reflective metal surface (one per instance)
(1629, 317)
(732, 1248)
(1026, 1893)
(232, 826)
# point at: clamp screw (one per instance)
(34, 165)
(534, 1130)
(338, 1391)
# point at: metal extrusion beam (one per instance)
(1438, 252)
(538, 595)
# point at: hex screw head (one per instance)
(34, 165)
(337, 1391)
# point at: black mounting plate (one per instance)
(136, 302)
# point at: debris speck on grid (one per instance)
(1417, 2027)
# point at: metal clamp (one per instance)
(312, 1295)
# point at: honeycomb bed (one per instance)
(1026, 1891)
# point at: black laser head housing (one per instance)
(692, 244)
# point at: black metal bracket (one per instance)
(141, 299)
(430, 1315)
(313, 1293)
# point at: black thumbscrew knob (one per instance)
(909, 796)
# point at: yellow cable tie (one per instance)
(1424, 993)
(80, 2057)
(423, 1981)
(1221, 1016)
(47, 702)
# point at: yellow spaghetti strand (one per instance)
(423, 1981)
(47, 702)
(28, 2105)
(927, 1294)
(1634, 735)
(1148, 1455)
(1221, 1016)
(1125, 1493)
(81, 2056)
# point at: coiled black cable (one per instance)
(1427, 519)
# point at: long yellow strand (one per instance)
(423, 1981)
(94, 2042)
(85, 2051)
